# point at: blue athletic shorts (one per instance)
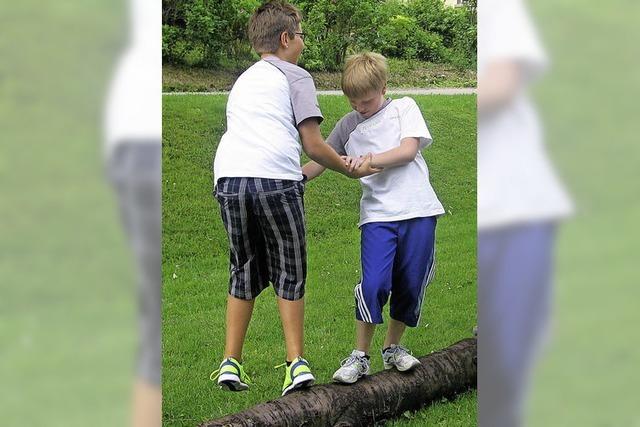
(398, 259)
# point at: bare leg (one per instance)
(292, 317)
(147, 405)
(364, 335)
(238, 316)
(394, 332)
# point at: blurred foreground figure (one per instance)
(520, 202)
(133, 152)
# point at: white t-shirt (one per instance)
(397, 193)
(265, 106)
(516, 181)
(134, 102)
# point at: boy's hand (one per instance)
(353, 163)
(365, 168)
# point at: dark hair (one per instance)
(269, 21)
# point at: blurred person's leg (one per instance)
(147, 405)
(135, 170)
(514, 282)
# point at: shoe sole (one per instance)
(344, 381)
(301, 381)
(410, 367)
(231, 383)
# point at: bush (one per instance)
(212, 33)
(333, 28)
(202, 32)
(170, 37)
(456, 26)
(401, 37)
(397, 37)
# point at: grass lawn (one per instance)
(195, 265)
(403, 73)
(67, 304)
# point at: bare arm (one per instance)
(402, 155)
(498, 85)
(312, 170)
(313, 144)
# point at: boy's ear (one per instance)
(284, 39)
(384, 90)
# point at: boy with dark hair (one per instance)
(259, 185)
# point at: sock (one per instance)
(385, 349)
(288, 363)
(365, 355)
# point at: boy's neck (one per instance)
(383, 100)
(280, 55)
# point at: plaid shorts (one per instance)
(264, 220)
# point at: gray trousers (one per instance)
(135, 171)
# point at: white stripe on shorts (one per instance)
(428, 278)
(362, 305)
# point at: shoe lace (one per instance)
(401, 351)
(214, 375)
(361, 363)
(243, 376)
(285, 364)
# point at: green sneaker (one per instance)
(231, 375)
(297, 375)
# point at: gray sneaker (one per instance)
(399, 357)
(353, 367)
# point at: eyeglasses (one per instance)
(302, 35)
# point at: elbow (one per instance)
(315, 149)
(312, 152)
(409, 156)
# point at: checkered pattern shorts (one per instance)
(264, 220)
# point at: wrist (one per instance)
(373, 163)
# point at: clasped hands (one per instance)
(359, 167)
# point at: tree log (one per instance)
(377, 397)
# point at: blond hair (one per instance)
(269, 21)
(364, 73)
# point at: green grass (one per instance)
(67, 310)
(403, 73)
(195, 269)
(589, 375)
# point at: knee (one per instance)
(374, 290)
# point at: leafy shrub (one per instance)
(212, 33)
(333, 27)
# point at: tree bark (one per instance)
(381, 396)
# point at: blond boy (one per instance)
(398, 211)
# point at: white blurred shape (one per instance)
(134, 104)
(133, 132)
(516, 182)
(520, 200)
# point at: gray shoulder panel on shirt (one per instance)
(303, 90)
(339, 136)
(345, 126)
(291, 71)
